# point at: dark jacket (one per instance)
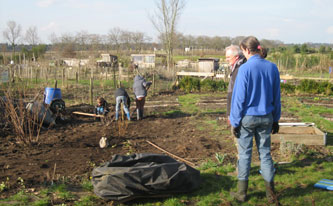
(233, 76)
(122, 92)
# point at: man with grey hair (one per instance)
(235, 58)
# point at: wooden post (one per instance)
(55, 73)
(31, 74)
(153, 81)
(47, 74)
(36, 75)
(76, 78)
(63, 77)
(9, 76)
(92, 72)
(114, 78)
(78, 71)
(91, 91)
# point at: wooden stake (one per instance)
(91, 91)
(63, 77)
(175, 156)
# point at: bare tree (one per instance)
(139, 38)
(126, 39)
(31, 35)
(114, 37)
(165, 21)
(12, 34)
(94, 42)
(65, 45)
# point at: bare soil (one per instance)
(71, 150)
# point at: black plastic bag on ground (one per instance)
(143, 175)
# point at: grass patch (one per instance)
(188, 103)
(309, 113)
(87, 185)
(86, 201)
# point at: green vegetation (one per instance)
(307, 86)
(190, 84)
(309, 113)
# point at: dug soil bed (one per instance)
(71, 150)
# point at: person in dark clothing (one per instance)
(122, 97)
(101, 107)
(140, 88)
(255, 112)
(235, 58)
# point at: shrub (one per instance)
(190, 84)
(208, 85)
(313, 87)
(288, 88)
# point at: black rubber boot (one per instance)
(270, 192)
(240, 195)
(141, 114)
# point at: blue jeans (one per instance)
(121, 99)
(260, 127)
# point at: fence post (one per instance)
(63, 77)
(114, 77)
(153, 81)
(91, 91)
(76, 78)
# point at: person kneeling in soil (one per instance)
(140, 88)
(101, 107)
(122, 97)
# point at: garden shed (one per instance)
(144, 60)
(208, 64)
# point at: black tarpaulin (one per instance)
(143, 175)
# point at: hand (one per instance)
(275, 127)
(236, 131)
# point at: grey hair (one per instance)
(235, 50)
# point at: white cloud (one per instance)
(330, 30)
(45, 3)
(50, 27)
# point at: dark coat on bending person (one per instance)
(122, 92)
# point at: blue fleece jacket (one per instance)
(256, 91)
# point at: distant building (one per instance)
(144, 60)
(208, 64)
(75, 62)
(107, 60)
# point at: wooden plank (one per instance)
(197, 74)
(300, 135)
(290, 77)
(299, 139)
(296, 124)
(162, 105)
(297, 130)
(88, 114)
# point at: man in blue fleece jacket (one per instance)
(255, 111)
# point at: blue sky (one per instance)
(290, 21)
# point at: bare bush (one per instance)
(26, 125)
